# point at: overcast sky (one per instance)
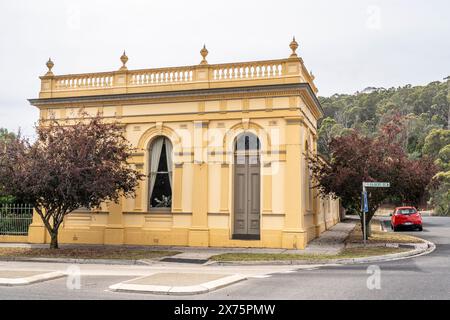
(348, 45)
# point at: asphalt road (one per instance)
(423, 277)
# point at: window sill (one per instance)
(160, 210)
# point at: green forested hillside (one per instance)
(422, 112)
(422, 108)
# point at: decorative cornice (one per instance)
(303, 89)
(294, 120)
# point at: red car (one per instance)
(406, 217)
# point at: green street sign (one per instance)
(376, 184)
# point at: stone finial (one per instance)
(204, 53)
(124, 60)
(293, 45)
(312, 76)
(49, 65)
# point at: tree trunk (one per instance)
(368, 227)
(54, 240)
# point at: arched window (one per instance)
(160, 177)
(247, 145)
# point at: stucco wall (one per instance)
(204, 132)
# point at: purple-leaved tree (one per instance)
(69, 166)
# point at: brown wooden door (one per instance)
(247, 188)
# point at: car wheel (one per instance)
(420, 228)
(394, 228)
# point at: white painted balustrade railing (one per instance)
(84, 81)
(161, 76)
(204, 75)
(247, 71)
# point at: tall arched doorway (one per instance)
(247, 215)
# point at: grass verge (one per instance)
(347, 253)
(84, 253)
(379, 236)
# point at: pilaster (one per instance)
(224, 187)
(139, 190)
(36, 231)
(177, 188)
(199, 231)
(294, 235)
(114, 231)
(267, 187)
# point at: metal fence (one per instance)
(15, 219)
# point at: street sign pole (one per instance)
(364, 214)
(365, 201)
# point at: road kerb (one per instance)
(80, 261)
(22, 281)
(178, 290)
(426, 248)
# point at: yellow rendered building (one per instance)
(222, 147)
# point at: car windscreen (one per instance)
(406, 211)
